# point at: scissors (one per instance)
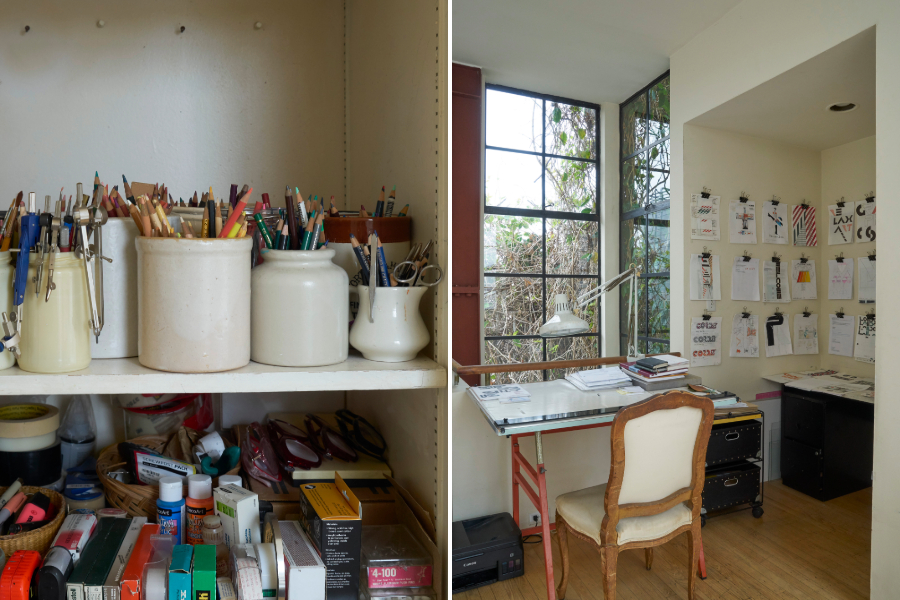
(416, 273)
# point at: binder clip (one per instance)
(872, 255)
(870, 197)
(840, 313)
(841, 202)
(804, 259)
(705, 253)
(745, 314)
(747, 256)
(870, 316)
(775, 200)
(778, 312)
(744, 199)
(706, 315)
(803, 204)
(706, 192)
(776, 258)
(806, 312)
(839, 257)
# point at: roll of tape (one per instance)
(28, 420)
(155, 587)
(268, 572)
(27, 444)
(37, 467)
(248, 579)
(273, 536)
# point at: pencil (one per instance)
(232, 195)
(291, 206)
(382, 264)
(360, 257)
(301, 206)
(184, 228)
(403, 211)
(277, 243)
(389, 210)
(263, 230)
(362, 211)
(96, 180)
(243, 192)
(379, 206)
(333, 211)
(307, 235)
(128, 193)
(237, 224)
(204, 228)
(218, 210)
(285, 238)
(238, 210)
(317, 231)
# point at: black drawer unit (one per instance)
(733, 485)
(730, 442)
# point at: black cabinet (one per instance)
(826, 443)
(734, 460)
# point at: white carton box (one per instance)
(239, 510)
(305, 570)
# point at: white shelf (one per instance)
(127, 376)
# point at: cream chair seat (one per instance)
(583, 512)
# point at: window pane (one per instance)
(574, 288)
(572, 247)
(501, 352)
(512, 306)
(571, 186)
(571, 130)
(634, 183)
(657, 347)
(658, 323)
(512, 180)
(571, 348)
(513, 121)
(658, 247)
(512, 244)
(634, 125)
(659, 173)
(659, 111)
(633, 243)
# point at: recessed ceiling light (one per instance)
(842, 107)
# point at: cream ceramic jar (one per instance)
(397, 332)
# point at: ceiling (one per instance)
(793, 107)
(589, 50)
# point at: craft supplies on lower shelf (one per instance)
(36, 539)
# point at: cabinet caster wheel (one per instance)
(703, 519)
(757, 512)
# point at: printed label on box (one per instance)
(397, 577)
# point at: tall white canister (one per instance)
(7, 269)
(193, 304)
(299, 309)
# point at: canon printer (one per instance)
(485, 550)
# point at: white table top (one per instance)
(829, 382)
(559, 404)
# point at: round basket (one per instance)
(135, 499)
(38, 539)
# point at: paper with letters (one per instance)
(866, 281)
(865, 340)
(803, 280)
(776, 282)
(742, 222)
(804, 225)
(840, 335)
(778, 336)
(775, 223)
(704, 217)
(806, 334)
(840, 223)
(705, 278)
(745, 336)
(745, 279)
(840, 279)
(865, 221)
(706, 342)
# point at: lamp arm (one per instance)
(603, 288)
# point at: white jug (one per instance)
(398, 331)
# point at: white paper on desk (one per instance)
(776, 282)
(742, 222)
(515, 400)
(820, 373)
(745, 279)
(498, 392)
(866, 280)
(745, 336)
(705, 217)
(631, 389)
(706, 342)
(840, 336)
(784, 377)
(806, 334)
(840, 279)
(865, 340)
(864, 396)
(840, 223)
(778, 336)
(775, 223)
(865, 221)
(705, 278)
(803, 280)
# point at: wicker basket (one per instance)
(135, 499)
(37, 539)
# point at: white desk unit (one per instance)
(556, 407)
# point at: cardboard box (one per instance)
(134, 570)
(239, 510)
(305, 570)
(204, 578)
(89, 575)
(331, 515)
(180, 572)
(113, 582)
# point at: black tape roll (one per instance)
(35, 467)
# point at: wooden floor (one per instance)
(801, 548)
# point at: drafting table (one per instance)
(556, 407)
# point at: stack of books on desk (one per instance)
(659, 372)
(598, 379)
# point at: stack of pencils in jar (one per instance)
(303, 225)
(409, 270)
(383, 209)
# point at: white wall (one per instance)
(756, 41)
(218, 104)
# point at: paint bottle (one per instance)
(230, 480)
(170, 508)
(199, 503)
(214, 535)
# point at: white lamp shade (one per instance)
(563, 322)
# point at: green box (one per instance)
(204, 572)
(180, 572)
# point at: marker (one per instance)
(10, 492)
(12, 506)
(263, 230)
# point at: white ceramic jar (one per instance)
(7, 269)
(119, 338)
(299, 309)
(398, 331)
(193, 304)
(56, 334)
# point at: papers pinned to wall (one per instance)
(840, 223)
(840, 335)
(778, 336)
(865, 221)
(745, 279)
(706, 342)
(776, 282)
(744, 336)
(865, 339)
(705, 278)
(774, 223)
(742, 222)
(806, 334)
(803, 280)
(705, 221)
(803, 219)
(840, 279)
(866, 281)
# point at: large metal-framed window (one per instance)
(644, 210)
(541, 224)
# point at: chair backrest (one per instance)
(658, 455)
